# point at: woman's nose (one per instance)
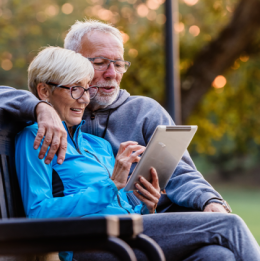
(84, 98)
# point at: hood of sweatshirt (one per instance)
(121, 98)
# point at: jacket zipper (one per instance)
(118, 198)
(77, 147)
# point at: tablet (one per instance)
(163, 152)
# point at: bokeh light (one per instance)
(52, 10)
(105, 14)
(151, 15)
(179, 27)
(125, 37)
(142, 10)
(6, 64)
(95, 9)
(217, 5)
(161, 19)
(219, 82)
(133, 53)
(194, 30)
(7, 55)
(229, 9)
(100, 2)
(244, 58)
(153, 4)
(67, 8)
(190, 2)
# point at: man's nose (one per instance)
(110, 71)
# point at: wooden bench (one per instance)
(22, 236)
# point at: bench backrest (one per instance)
(10, 196)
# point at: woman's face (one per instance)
(69, 109)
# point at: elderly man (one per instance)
(117, 116)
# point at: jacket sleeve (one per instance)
(186, 187)
(19, 103)
(35, 180)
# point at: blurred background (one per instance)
(219, 70)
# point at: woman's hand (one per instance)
(150, 191)
(127, 154)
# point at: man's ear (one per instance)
(43, 91)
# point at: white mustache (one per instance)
(108, 83)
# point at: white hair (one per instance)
(73, 39)
(58, 65)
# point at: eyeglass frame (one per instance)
(69, 88)
(111, 61)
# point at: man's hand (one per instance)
(51, 127)
(214, 207)
(150, 191)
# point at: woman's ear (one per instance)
(43, 91)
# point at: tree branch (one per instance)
(220, 54)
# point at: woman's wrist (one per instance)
(118, 184)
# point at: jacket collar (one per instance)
(76, 128)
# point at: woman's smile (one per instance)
(77, 110)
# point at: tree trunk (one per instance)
(236, 38)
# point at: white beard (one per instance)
(105, 99)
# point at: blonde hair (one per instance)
(58, 65)
(73, 39)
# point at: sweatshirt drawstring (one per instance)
(104, 133)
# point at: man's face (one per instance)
(98, 44)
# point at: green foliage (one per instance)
(26, 26)
(227, 118)
(228, 135)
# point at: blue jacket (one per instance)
(85, 175)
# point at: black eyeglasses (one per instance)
(76, 92)
(102, 64)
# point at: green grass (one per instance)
(246, 204)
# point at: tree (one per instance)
(212, 37)
(237, 38)
(227, 117)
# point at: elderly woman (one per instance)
(90, 180)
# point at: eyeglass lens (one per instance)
(78, 91)
(102, 65)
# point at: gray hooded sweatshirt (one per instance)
(131, 118)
